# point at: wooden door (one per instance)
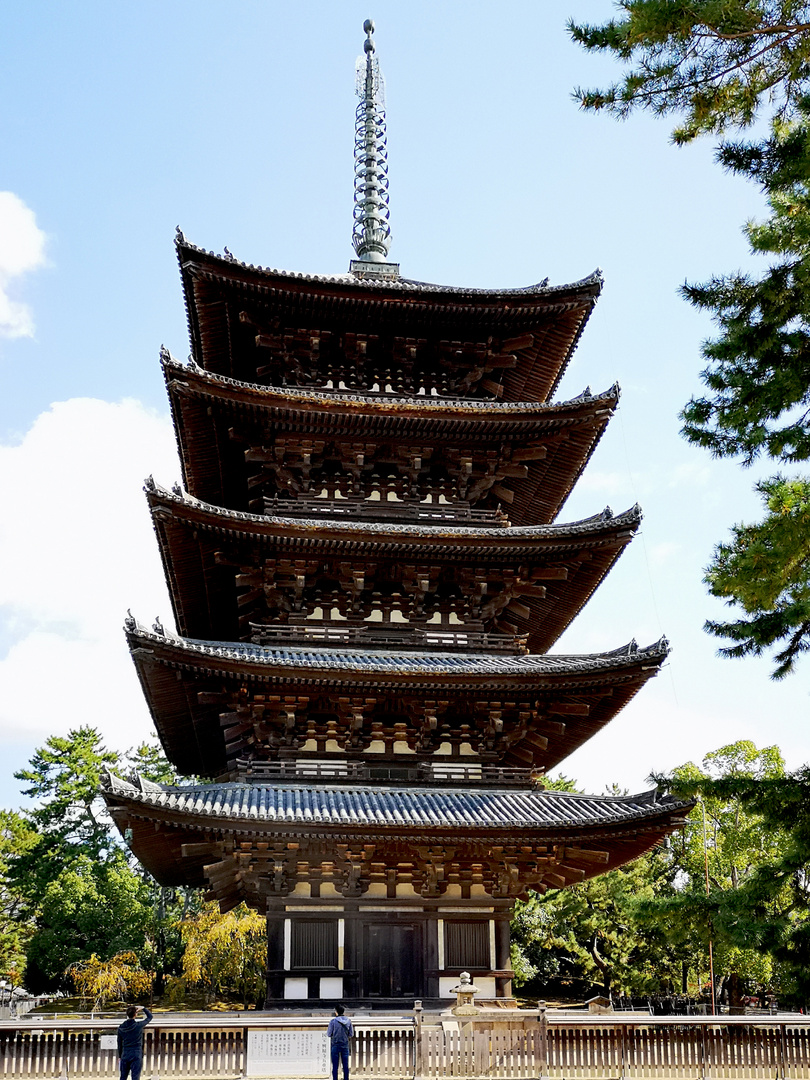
(392, 965)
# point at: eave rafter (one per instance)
(257, 861)
(250, 442)
(244, 318)
(234, 576)
(213, 704)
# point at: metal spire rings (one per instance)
(371, 234)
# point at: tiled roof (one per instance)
(386, 403)
(382, 530)
(394, 807)
(385, 662)
(407, 285)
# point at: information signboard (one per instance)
(274, 1053)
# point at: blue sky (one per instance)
(236, 122)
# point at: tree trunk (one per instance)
(601, 963)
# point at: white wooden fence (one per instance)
(502, 1046)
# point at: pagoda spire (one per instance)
(371, 234)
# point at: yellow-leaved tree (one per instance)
(225, 954)
(115, 979)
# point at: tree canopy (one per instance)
(712, 61)
(758, 907)
(645, 928)
(226, 953)
(719, 64)
(115, 979)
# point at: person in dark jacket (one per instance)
(130, 1043)
(340, 1030)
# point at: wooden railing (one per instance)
(380, 510)
(199, 1045)
(360, 637)
(500, 1045)
(351, 772)
(604, 1048)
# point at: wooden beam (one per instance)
(530, 453)
(584, 855)
(575, 872)
(549, 573)
(219, 869)
(191, 851)
(504, 493)
(519, 609)
(552, 726)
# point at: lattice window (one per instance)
(315, 944)
(466, 945)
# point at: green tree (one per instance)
(76, 886)
(149, 761)
(764, 572)
(758, 369)
(88, 908)
(758, 845)
(712, 61)
(69, 815)
(718, 63)
(589, 933)
(17, 838)
(649, 923)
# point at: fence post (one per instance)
(417, 1039)
(704, 1063)
(782, 1052)
(542, 1018)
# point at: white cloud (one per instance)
(690, 474)
(607, 484)
(663, 554)
(77, 549)
(22, 249)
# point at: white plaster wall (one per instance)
(332, 987)
(296, 988)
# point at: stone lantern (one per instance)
(465, 992)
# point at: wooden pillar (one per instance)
(417, 1040)
(542, 1055)
(503, 985)
(431, 976)
(352, 953)
(275, 958)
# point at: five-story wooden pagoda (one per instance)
(366, 575)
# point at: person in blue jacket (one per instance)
(130, 1043)
(340, 1030)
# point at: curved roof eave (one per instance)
(382, 807)
(383, 532)
(248, 660)
(268, 397)
(590, 285)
